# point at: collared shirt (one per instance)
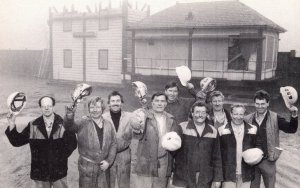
(49, 123)
(238, 131)
(200, 129)
(161, 124)
(259, 121)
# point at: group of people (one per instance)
(213, 140)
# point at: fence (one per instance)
(201, 68)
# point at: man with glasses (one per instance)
(50, 145)
(199, 159)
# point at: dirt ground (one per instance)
(15, 162)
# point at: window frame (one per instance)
(100, 66)
(65, 53)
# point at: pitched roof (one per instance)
(206, 15)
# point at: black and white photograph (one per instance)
(149, 93)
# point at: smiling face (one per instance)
(199, 115)
(159, 103)
(172, 93)
(217, 103)
(96, 110)
(115, 103)
(47, 107)
(237, 115)
(261, 106)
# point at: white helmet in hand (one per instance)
(289, 95)
(16, 102)
(253, 156)
(184, 74)
(171, 141)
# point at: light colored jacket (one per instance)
(88, 141)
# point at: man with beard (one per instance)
(199, 159)
(97, 144)
(50, 145)
(268, 124)
(120, 170)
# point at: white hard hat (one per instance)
(140, 89)
(171, 141)
(16, 102)
(81, 90)
(184, 74)
(138, 119)
(253, 156)
(208, 84)
(289, 95)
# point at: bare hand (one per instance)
(293, 110)
(104, 165)
(217, 184)
(70, 111)
(11, 119)
(189, 85)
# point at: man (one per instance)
(50, 145)
(120, 171)
(199, 159)
(179, 107)
(97, 144)
(218, 115)
(268, 124)
(235, 137)
(154, 163)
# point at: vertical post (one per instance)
(259, 59)
(84, 48)
(133, 52)
(124, 37)
(50, 22)
(190, 49)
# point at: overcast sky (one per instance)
(23, 23)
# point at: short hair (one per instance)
(171, 84)
(115, 93)
(261, 94)
(46, 96)
(94, 100)
(238, 105)
(157, 94)
(216, 94)
(199, 104)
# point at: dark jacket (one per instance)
(147, 151)
(211, 117)
(49, 156)
(274, 123)
(228, 150)
(180, 108)
(198, 154)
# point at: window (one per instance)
(67, 25)
(103, 59)
(103, 24)
(68, 58)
